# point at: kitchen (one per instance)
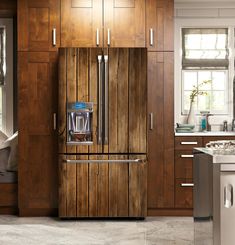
(115, 70)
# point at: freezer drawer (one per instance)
(102, 186)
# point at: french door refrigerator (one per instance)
(102, 118)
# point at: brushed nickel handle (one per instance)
(151, 121)
(108, 39)
(54, 36)
(100, 99)
(106, 161)
(186, 184)
(186, 156)
(54, 121)
(151, 37)
(106, 106)
(189, 143)
(228, 196)
(97, 37)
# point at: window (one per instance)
(205, 56)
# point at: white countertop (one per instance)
(211, 133)
(217, 158)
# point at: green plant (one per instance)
(195, 91)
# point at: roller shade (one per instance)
(205, 48)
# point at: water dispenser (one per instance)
(79, 123)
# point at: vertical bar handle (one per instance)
(54, 121)
(151, 121)
(97, 37)
(228, 196)
(54, 37)
(106, 119)
(100, 99)
(108, 38)
(151, 37)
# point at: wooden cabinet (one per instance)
(160, 25)
(37, 88)
(124, 23)
(38, 25)
(96, 23)
(160, 130)
(102, 189)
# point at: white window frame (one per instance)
(7, 89)
(180, 23)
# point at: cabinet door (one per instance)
(124, 23)
(37, 76)
(159, 25)
(81, 23)
(160, 130)
(38, 25)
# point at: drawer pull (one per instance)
(189, 143)
(186, 184)
(186, 156)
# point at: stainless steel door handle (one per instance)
(186, 184)
(54, 121)
(189, 143)
(100, 99)
(106, 87)
(106, 161)
(54, 36)
(151, 37)
(151, 121)
(108, 37)
(186, 156)
(97, 37)
(228, 196)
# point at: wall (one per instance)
(207, 14)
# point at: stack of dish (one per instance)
(184, 128)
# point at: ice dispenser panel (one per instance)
(79, 123)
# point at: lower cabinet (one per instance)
(102, 189)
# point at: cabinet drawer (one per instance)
(8, 195)
(184, 164)
(187, 143)
(215, 138)
(183, 193)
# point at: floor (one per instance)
(45, 231)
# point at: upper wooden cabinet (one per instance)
(38, 25)
(81, 23)
(97, 23)
(124, 23)
(160, 25)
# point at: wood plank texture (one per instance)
(9, 195)
(159, 17)
(36, 19)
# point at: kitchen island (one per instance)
(214, 210)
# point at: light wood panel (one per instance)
(79, 22)
(36, 20)
(126, 22)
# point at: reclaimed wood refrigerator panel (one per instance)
(103, 189)
(37, 139)
(38, 25)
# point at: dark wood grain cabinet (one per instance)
(160, 25)
(160, 130)
(38, 25)
(37, 92)
(96, 23)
